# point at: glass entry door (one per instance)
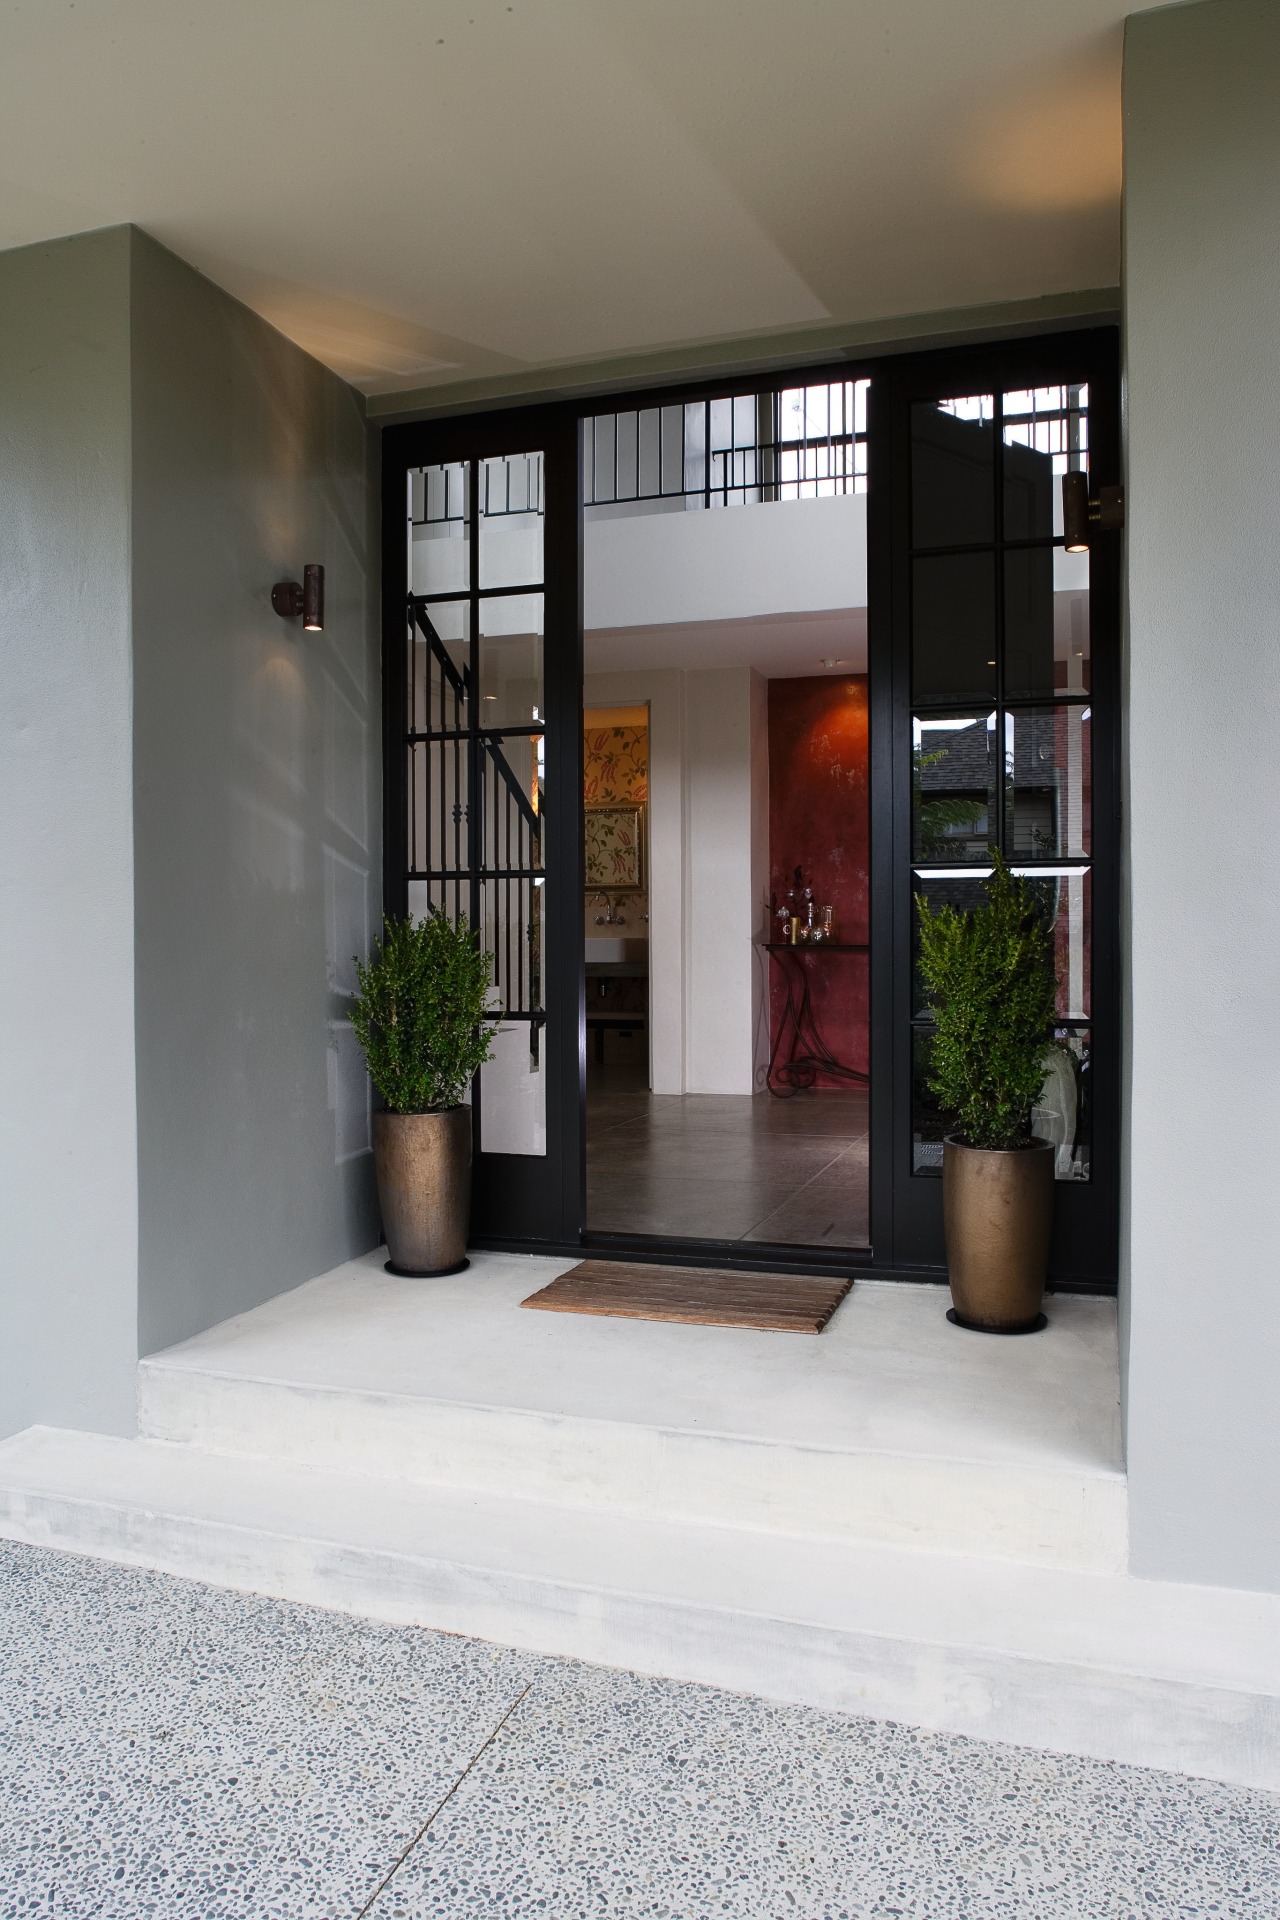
(471, 780)
(1005, 724)
(991, 701)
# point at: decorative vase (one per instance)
(997, 1211)
(423, 1167)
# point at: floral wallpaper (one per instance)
(616, 773)
(616, 765)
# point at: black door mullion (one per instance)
(997, 510)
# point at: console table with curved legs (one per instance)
(800, 1054)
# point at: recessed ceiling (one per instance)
(426, 191)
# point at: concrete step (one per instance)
(1177, 1677)
(890, 1428)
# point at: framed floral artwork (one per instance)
(615, 848)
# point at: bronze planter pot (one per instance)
(997, 1211)
(423, 1166)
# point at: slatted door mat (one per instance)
(698, 1296)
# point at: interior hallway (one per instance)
(726, 1166)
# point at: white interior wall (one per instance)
(708, 867)
(722, 881)
(1201, 1228)
(664, 694)
(759, 876)
(786, 556)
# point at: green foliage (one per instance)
(419, 1013)
(990, 976)
(938, 820)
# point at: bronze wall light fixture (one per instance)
(1083, 514)
(289, 599)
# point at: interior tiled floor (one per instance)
(725, 1166)
(174, 1751)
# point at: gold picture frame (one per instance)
(614, 844)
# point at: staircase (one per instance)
(893, 1518)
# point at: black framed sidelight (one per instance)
(996, 717)
(987, 725)
(482, 759)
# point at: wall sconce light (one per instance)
(289, 599)
(1083, 514)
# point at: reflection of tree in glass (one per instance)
(942, 819)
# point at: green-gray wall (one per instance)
(1202, 1227)
(257, 808)
(68, 1248)
(189, 785)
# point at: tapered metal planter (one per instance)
(997, 1210)
(423, 1167)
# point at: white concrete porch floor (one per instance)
(892, 1425)
(890, 1373)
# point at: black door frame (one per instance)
(532, 1205)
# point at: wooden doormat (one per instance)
(700, 1296)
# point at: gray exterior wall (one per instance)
(68, 1191)
(1202, 1226)
(256, 805)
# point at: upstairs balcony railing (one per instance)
(801, 443)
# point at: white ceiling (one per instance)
(425, 191)
(781, 646)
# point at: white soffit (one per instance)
(427, 191)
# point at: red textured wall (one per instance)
(818, 821)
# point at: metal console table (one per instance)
(800, 1053)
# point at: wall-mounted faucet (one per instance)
(612, 916)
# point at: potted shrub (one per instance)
(991, 982)
(419, 1017)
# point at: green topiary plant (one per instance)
(991, 981)
(419, 1014)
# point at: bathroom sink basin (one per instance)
(616, 951)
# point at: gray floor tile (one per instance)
(727, 1167)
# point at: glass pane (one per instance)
(513, 1085)
(1028, 623)
(953, 627)
(440, 667)
(511, 521)
(963, 892)
(953, 787)
(929, 1125)
(439, 545)
(1048, 783)
(439, 837)
(512, 771)
(1070, 622)
(1046, 433)
(511, 660)
(1046, 623)
(952, 460)
(1064, 1112)
(1068, 900)
(450, 895)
